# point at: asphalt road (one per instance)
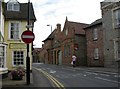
(45, 75)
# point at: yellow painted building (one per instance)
(3, 68)
(14, 25)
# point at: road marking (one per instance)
(52, 71)
(107, 80)
(52, 79)
(117, 76)
(104, 74)
(91, 73)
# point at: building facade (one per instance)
(94, 37)
(61, 45)
(16, 17)
(111, 26)
(3, 67)
(74, 42)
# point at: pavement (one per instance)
(7, 82)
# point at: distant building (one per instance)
(74, 42)
(111, 36)
(94, 37)
(16, 15)
(59, 46)
(36, 52)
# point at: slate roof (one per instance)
(78, 27)
(21, 15)
(98, 21)
(50, 37)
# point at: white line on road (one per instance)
(107, 80)
(104, 74)
(91, 73)
(117, 76)
(52, 71)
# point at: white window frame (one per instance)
(116, 17)
(13, 58)
(13, 6)
(96, 53)
(19, 30)
(95, 34)
(66, 32)
(2, 45)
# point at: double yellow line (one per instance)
(54, 81)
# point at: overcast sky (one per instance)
(55, 11)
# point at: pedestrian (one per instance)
(74, 60)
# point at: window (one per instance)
(18, 57)
(14, 30)
(96, 53)
(67, 50)
(2, 57)
(13, 6)
(117, 17)
(95, 34)
(119, 49)
(66, 32)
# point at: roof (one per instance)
(98, 21)
(21, 15)
(50, 37)
(78, 27)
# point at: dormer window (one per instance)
(13, 5)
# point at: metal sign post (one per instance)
(28, 37)
(28, 58)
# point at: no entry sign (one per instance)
(28, 37)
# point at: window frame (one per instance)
(19, 31)
(13, 6)
(96, 53)
(16, 59)
(4, 49)
(116, 21)
(95, 34)
(66, 31)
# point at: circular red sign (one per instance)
(28, 37)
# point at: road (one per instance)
(61, 76)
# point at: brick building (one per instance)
(61, 45)
(73, 42)
(94, 37)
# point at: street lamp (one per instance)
(50, 26)
(51, 44)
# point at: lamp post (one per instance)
(51, 44)
(50, 27)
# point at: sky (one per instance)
(52, 12)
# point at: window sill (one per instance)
(3, 70)
(14, 40)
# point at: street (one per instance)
(62, 76)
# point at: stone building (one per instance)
(111, 26)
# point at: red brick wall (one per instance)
(91, 45)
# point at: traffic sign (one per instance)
(28, 36)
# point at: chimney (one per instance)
(59, 27)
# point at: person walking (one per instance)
(74, 60)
